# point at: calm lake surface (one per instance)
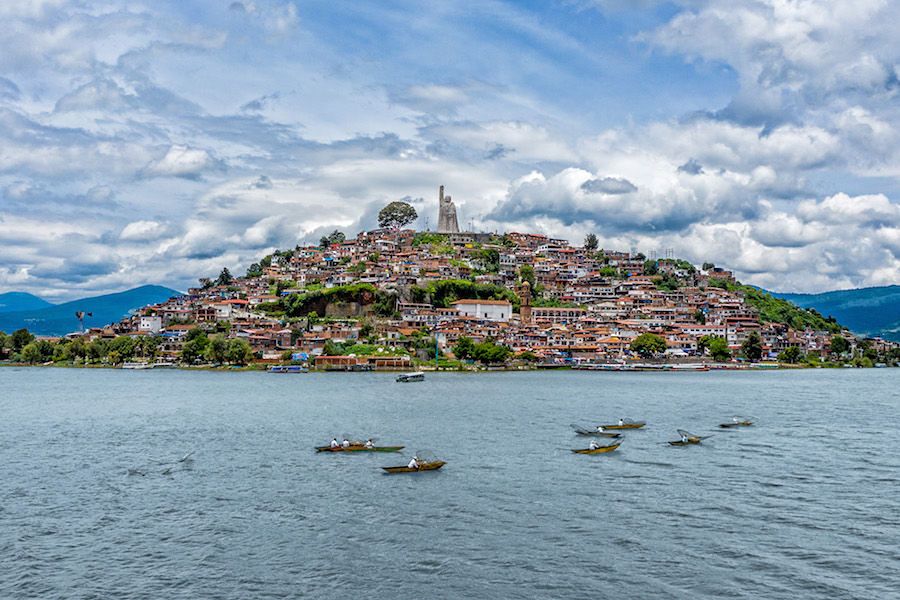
(806, 504)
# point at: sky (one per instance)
(147, 141)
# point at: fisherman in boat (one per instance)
(334, 443)
(600, 429)
(684, 439)
(414, 463)
(369, 444)
(594, 445)
(345, 444)
(621, 422)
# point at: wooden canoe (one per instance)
(690, 440)
(626, 425)
(358, 448)
(599, 450)
(597, 433)
(429, 466)
(736, 424)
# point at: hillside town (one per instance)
(394, 298)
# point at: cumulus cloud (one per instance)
(609, 185)
(183, 161)
(136, 146)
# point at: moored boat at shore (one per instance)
(410, 377)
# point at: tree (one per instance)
(839, 344)
(31, 353)
(591, 243)
(396, 215)
(194, 346)
(648, 345)
(239, 352)
(526, 273)
(335, 237)
(464, 348)
(20, 339)
(700, 316)
(225, 277)
(216, 349)
(752, 346)
(489, 352)
(791, 354)
(489, 258)
(718, 348)
(254, 270)
(332, 349)
(708, 265)
(651, 267)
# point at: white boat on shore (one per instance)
(410, 377)
(137, 365)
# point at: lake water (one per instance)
(806, 504)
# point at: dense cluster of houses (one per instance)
(572, 303)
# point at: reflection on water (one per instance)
(96, 502)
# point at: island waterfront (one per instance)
(394, 298)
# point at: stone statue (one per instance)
(447, 222)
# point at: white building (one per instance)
(151, 324)
(489, 310)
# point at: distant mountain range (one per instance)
(43, 318)
(16, 301)
(873, 312)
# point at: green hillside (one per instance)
(873, 311)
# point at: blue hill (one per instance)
(16, 301)
(871, 311)
(60, 319)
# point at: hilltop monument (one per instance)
(447, 222)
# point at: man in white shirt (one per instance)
(345, 444)
(594, 445)
(334, 443)
(621, 422)
(370, 444)
(413, 464)
(600, 428)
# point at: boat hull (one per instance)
(597, 433)
(601, 450)
(738, 424)
(637, 425)
(360, 449)
(689, 442)
(431, 466)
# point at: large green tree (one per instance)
(396, 215)
(751, 347)
(791, 354)
(648, 345)
(20, 339)
(591, 243)
(839, 344)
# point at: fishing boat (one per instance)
(594, 432)
(687, 439)
(736, 422)
(410, 377)
(424, 466)
(359, 448)
(288, 369)
(600, 450)
(625, 424)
